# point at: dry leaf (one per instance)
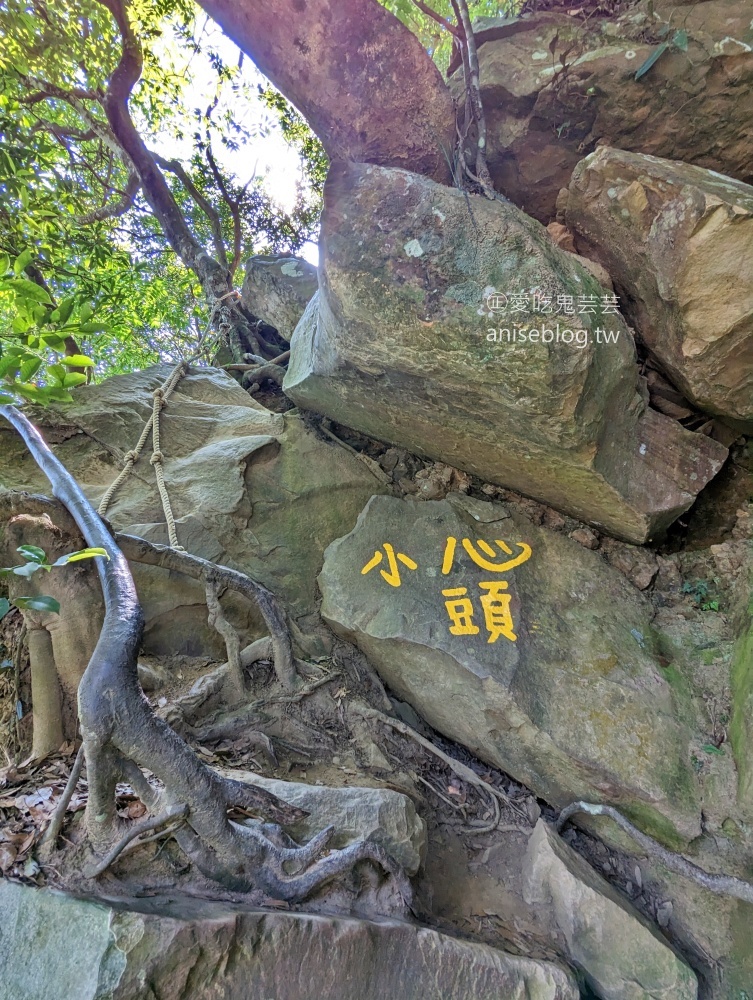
(8, 854)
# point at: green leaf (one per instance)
(81, 554)
(680, 40)
(10, 363)
(22, 261)
(54, 341)
(73, 379)
(32, 553)
(38, 604)
(31, 392)
(65, 309)
(29, 368)
(58, 372)
(93, 328)
(87, 311)
(59, 394)
(655, 55)
(77, 361)
(4, 606)
(4, 263)
(28, 569)
(30, 290)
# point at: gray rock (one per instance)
(678, 240)
(56, 946)
(620, 955)
(566, 694)
(379, 814)
(396, 345)
(243, 483)
(278, 289)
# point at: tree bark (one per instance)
(361, 79)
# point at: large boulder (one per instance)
(678, 242)
(619, 954)
(540, 659)
(397, 344)
(278, 289)
(55, 945)
(555, 86)
(243, 483)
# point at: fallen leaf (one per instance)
(8, 854)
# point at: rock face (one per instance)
(678, 241)
(397, 344)
(388, 818)
(243, 482)
(278, 289)
(555, 86)
(523, 646)
(141, 949)
(618, 952)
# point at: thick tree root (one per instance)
(121, 734)
(137, 830)
(721, 885)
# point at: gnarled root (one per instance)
(122, 736)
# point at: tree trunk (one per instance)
(362, 80)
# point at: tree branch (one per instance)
(232, 204)
(113, 209)
(448, 25)
(203, 203)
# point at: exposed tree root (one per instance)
(139, 550)
(460, 769)
(56, 823)
(121, 734)
(722, 885)
(166, 818)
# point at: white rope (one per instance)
(160, 397)
(152, 426)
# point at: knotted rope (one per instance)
(160, 397)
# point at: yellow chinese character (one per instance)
(479, 560)
(460, 612)
(496, 607)
(449, 555)
(392, 574)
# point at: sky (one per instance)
(268, 155)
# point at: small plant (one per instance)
(701, 593)
(36, 560)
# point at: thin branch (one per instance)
(56, 823)
(460, 769)
(204, 204)
(234, 207)
(448, 25)
(721, 885)
(113, 209)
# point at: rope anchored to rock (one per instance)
(160, 397)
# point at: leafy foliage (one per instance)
(85, 269)
(36, 560)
